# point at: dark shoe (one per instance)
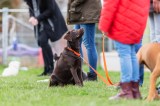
(43, 74)
(91, 77)
(135, 90)
(47, 71)
(125, 93)
(50, 70)
(84, 76)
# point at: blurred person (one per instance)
(49, 24)
(124, 21)
(154, 20)
(85, 14)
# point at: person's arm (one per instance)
(32, 18)
(31, 12)
(107, 14)
(47, 13)
(156, 5)
(76, 3)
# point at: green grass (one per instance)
(24, 90)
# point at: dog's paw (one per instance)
(149, 99)
(157, 97)
(53, 81)
(79, 84)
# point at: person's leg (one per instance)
(88, 40)
(135, 65)
(124, 52)
(152, 27)
(135, 74)
(141, 66)
(157, 26)
(47, 52)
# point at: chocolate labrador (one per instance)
(68, 66)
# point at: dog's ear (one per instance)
(79, 35)
(81, 32)
(68, 36)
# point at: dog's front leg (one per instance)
(152, 89)
(79, 72)
(75, 76)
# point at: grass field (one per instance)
(24, 90)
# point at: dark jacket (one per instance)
(83, 11)
(49, 10)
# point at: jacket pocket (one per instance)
(75, 16)
(75, 13)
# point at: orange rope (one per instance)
(104, 59)
(99, 75)
(108, 81)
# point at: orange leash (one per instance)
(108, 81)
(99, 75)
(104, 59)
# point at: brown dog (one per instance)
(68, 66)
(149, 55)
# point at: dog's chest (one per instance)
(69, 60)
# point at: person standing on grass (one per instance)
(85, 14)
(49, 24)
(124, 21)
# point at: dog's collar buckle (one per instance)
(76, 53)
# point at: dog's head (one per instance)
(73, 37)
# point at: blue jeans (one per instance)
(141, 66)
(128, 61)
(88, 40)
(154, 20)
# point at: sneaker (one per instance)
(91, 77)
(47, 71)
(84, 76)
(42, 74)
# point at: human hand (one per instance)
(33, 21)
(104, 33)
(156, 6)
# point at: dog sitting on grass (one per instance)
(68, 69)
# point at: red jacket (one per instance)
(124, 20)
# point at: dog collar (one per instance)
(76, 53)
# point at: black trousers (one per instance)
(43, 42)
